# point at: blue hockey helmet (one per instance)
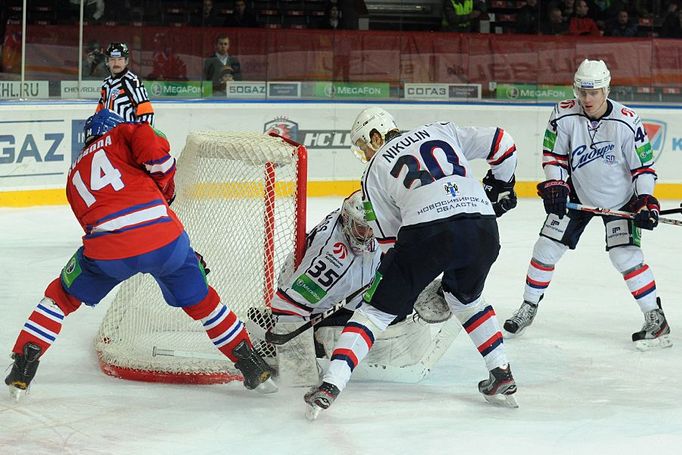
(101, 123)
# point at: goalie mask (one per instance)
(101, 123)
(591, 75)
(372, 119)
(355, 227)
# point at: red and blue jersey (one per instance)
(118, 189)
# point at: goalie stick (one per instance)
(619, 213)
(281, 338)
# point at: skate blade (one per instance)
(266, 387)
(16, 393)
(504, 401)
(661, 342)
(312, 411)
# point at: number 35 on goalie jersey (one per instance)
(328, 273)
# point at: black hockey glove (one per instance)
(500, 193)
(646, 209)
(554, 194)
(201, 260)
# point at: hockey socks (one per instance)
(537, 280)
(642, 286)
(45, 322)
(480, 322)
(42, 327)
(223, 327)
(356, 339)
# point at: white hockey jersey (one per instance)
(424, 175)
(329, 273)
(608, 160)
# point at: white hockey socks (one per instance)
(355, 342)
(642, 286)
(480, 322)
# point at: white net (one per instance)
(241, 197)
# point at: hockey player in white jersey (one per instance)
(596, 152)
(340, 260)
(432, 216)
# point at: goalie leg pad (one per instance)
(480, 322)
(296, 362)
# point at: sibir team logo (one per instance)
(582, 155)
(656, 130)
(340, 250)
(283, 127)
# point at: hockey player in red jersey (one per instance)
(120, 188)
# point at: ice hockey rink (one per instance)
(583, 387)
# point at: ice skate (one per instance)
(499, 388)
(520, 321)
(23, 370)
(319, 398)
(655, 332)
(257, 373)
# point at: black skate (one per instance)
(520, 321)
(257, 374)
(655, 332)
(23, 370)
(319, 398)
(499, 388)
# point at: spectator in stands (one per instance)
(567, 8)
(95, 65)
(209, 16)
(622, 26)
(528, 18)
(332, 20)
(672, 24)
(221, 67)
(166, 64)
(581, 24)
(462, 15)
(93, 12)
(555, 24)
(242, 16)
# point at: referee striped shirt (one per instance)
(125, 95)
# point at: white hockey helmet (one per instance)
(592, 74)
(355, 227)
(367, 121)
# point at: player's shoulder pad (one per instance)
(565, 107)
(623, 113)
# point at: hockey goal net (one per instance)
(241, 197)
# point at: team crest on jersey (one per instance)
(656, 130)
(283, 127)
(451, 189)
(340, 250)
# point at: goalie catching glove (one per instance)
(500, 193)
(646, 209)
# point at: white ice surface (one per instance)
(583, 387)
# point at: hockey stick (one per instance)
(281, 338)
(671, 211)
(619, 213)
